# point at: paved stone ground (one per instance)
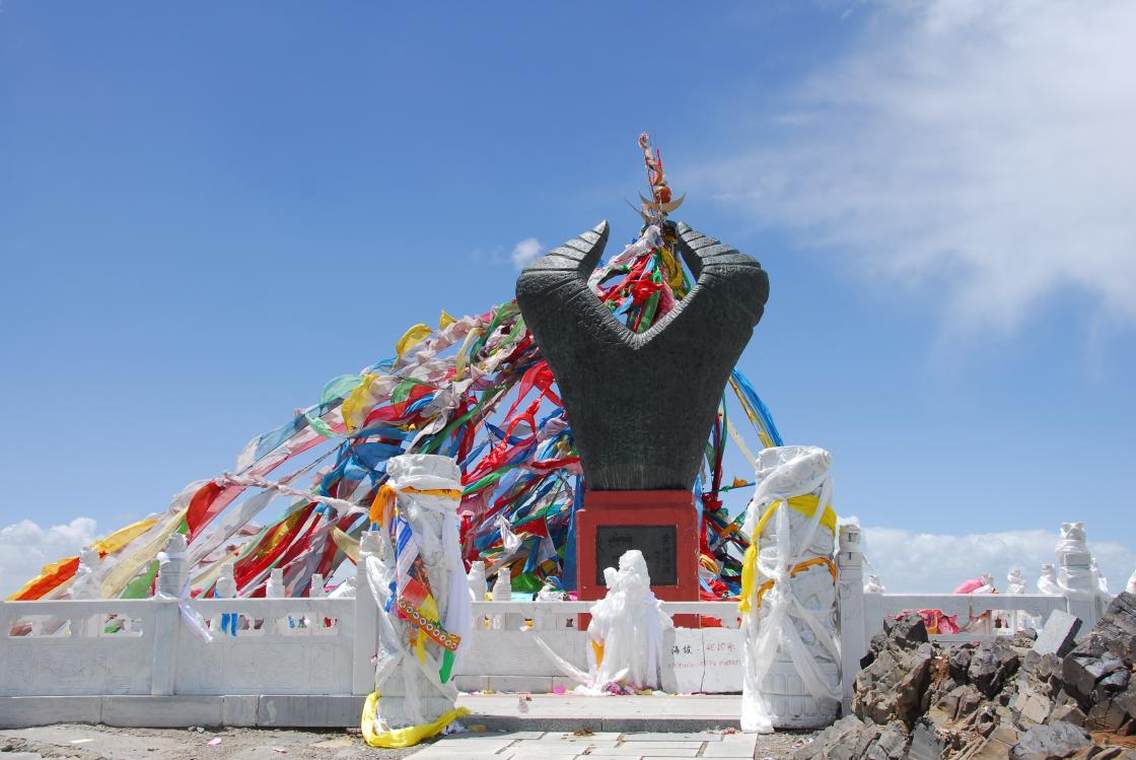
(96, 742)
(549, 712)
(585, 745)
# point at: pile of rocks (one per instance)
(1027, 696)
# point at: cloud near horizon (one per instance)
(980, 151)
(25, 547)
(907, 561)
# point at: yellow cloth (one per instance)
(349, 545)
(445, 320)
(807, 506)
(382, 508)
(749, 576)
(399, 738)
(129, 566)
(462, 357)
(123, 536)
(675, 277)
(354, 408)
(764, 588)
(412, 338)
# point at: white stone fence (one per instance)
(322, 649)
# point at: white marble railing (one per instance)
(88, 647)
(325, 646)
(291, 646)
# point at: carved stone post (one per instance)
(173, 577)
(226, 588)
(850, 602)
(366, 634)
(173, 571)
(317, 590)
(1075, 574)
(274, 589)
(86, 587)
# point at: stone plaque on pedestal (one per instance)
(657, 543)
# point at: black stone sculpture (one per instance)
(641, 405)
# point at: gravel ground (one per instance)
(94, 742)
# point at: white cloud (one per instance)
(525, 252)
(980, 150)
(936, 562)
(25, 547)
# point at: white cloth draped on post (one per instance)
(630, 634)
(788, 593)
(415, 572)
(627, 628)
(1047, 581)
(874, 585)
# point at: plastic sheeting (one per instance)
(786, 543)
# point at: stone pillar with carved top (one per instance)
(850, 608)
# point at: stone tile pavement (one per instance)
(585, 745)
(570, 712)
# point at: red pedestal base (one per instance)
(659, 523)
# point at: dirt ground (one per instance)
(95, 742)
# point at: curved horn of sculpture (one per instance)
(746, 283)
(641, 404)
(560, 277)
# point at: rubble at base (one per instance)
(1013, 697)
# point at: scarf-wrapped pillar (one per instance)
(416, 575)
(788, 602)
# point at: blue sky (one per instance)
(207, 212)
